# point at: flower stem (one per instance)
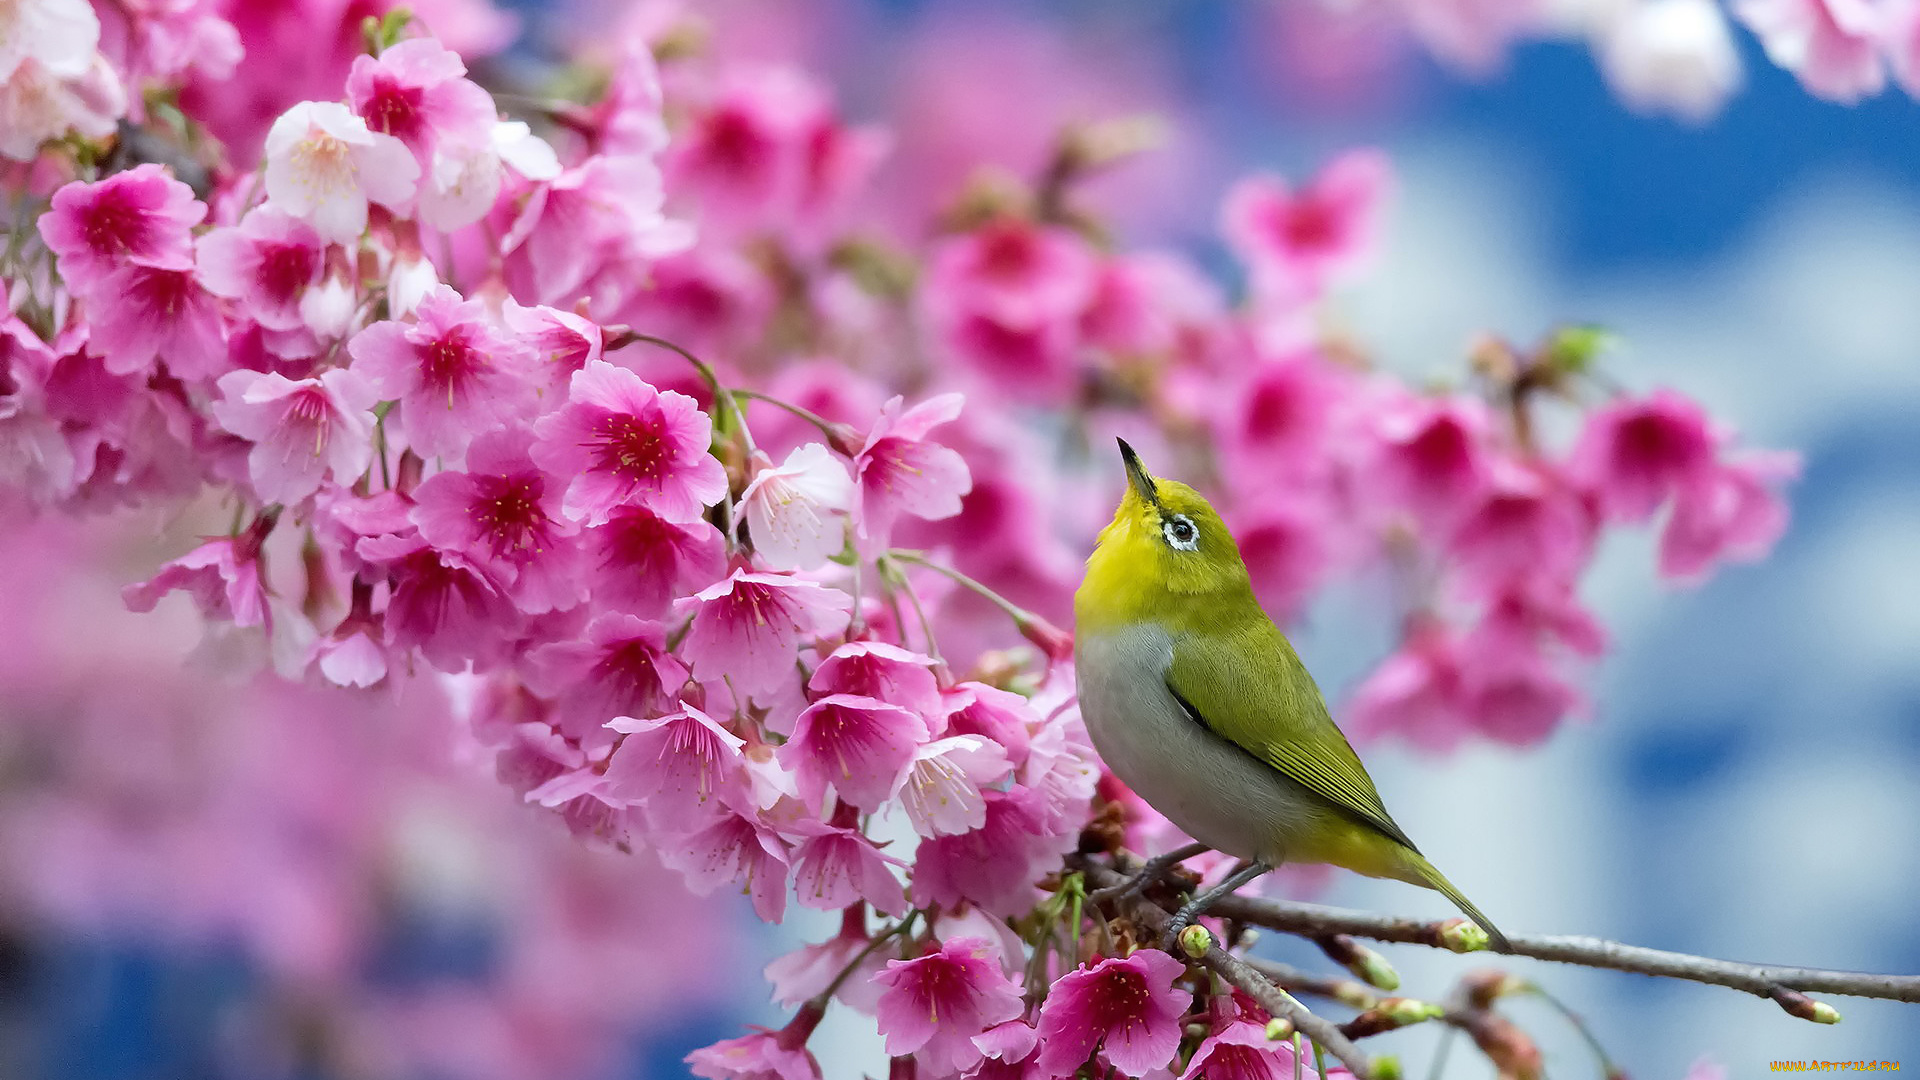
(721, 395)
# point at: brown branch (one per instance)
(1236, 971)
(1777, 983)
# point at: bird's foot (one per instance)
(1198, 906)
(1153, 870)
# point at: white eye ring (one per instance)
(1181, 533)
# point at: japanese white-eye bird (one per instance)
(1196, 700)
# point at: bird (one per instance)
(1197, 701)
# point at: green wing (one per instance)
(1248, 686)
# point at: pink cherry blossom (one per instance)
(834, 867)
(621, 668)
(859, 746)
(795, 511)
(562, 342)
(141, 214)
(353, 653)
(763, 1055)
(324, 165)
(503, 513)
(1433, 460)
(442, 603)
(592, 223)
(224, 577)
(1007, 300)
(1528, 525)
(935, 1004)
(1277, 423)
(1834, 46)
(683, 766)
(625, 443)
(266, 263)
(1284, 540)
(942, 788)
(1733, 512)
(465, 181)
(1241, 1051)
(808, 971)
(453, 372)
(747, 627)
(1002, 717)
(1637, 453)
(900, 472)
(1128, 1008)
(639, 561)
(303, 432)
(993, 866)
(415, 92)
(736, 849)
(145, 312)
(877, 669)
(1297, 243)
(1006, 1046)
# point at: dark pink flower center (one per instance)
(640, 543)
(395, 109)
(1310, 225)
(1118, 999)
(286, 269)
(1440, 451)
(633, 447)
(1275, 411)
(450, 360)
(113, 225)
(164, 292)
(941, 984)
(1653, 443)
(1008, 253)
(629, 674)
(309, 408)
(759, 606)
(509, 513)
(734, 142)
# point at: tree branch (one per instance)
(1777, 983)
(1236, 971)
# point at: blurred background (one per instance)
(1747, 784)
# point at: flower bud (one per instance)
(1279, 1028)
(1804, 1007)
(1387, 1067)
(1374, 968)
(1462, 936)
(1366, 964)
(1405, 1011)
(1195, 940)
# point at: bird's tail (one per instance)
(1435, 880)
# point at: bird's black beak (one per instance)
(1137, 475)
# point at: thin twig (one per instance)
(1763, 980)
(1236, 971)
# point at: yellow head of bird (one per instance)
(1166, 546)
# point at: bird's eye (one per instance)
(1180, 532)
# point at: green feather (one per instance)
(1248, 686)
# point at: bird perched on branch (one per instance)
(1195, 699)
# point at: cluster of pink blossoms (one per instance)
(639, 436)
